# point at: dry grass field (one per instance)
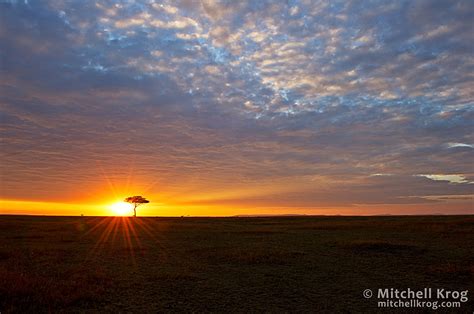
(271, 264)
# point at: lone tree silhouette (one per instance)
(136, 201)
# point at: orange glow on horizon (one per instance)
(105, 198)
(154, 209)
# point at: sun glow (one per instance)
(121, 208)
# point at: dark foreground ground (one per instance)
(287, 264)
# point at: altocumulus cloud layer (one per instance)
(300, 105)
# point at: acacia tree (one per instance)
(136, 201)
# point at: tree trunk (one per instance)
(135, 210)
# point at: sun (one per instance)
(121, 208)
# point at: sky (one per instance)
(237, 107)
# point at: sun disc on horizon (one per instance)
(121, 209)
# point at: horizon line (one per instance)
(246, 216)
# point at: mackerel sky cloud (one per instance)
(353, 107)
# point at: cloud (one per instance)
(272, 104)
(462, 145)
(451, 178)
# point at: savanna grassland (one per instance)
(271, 264)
